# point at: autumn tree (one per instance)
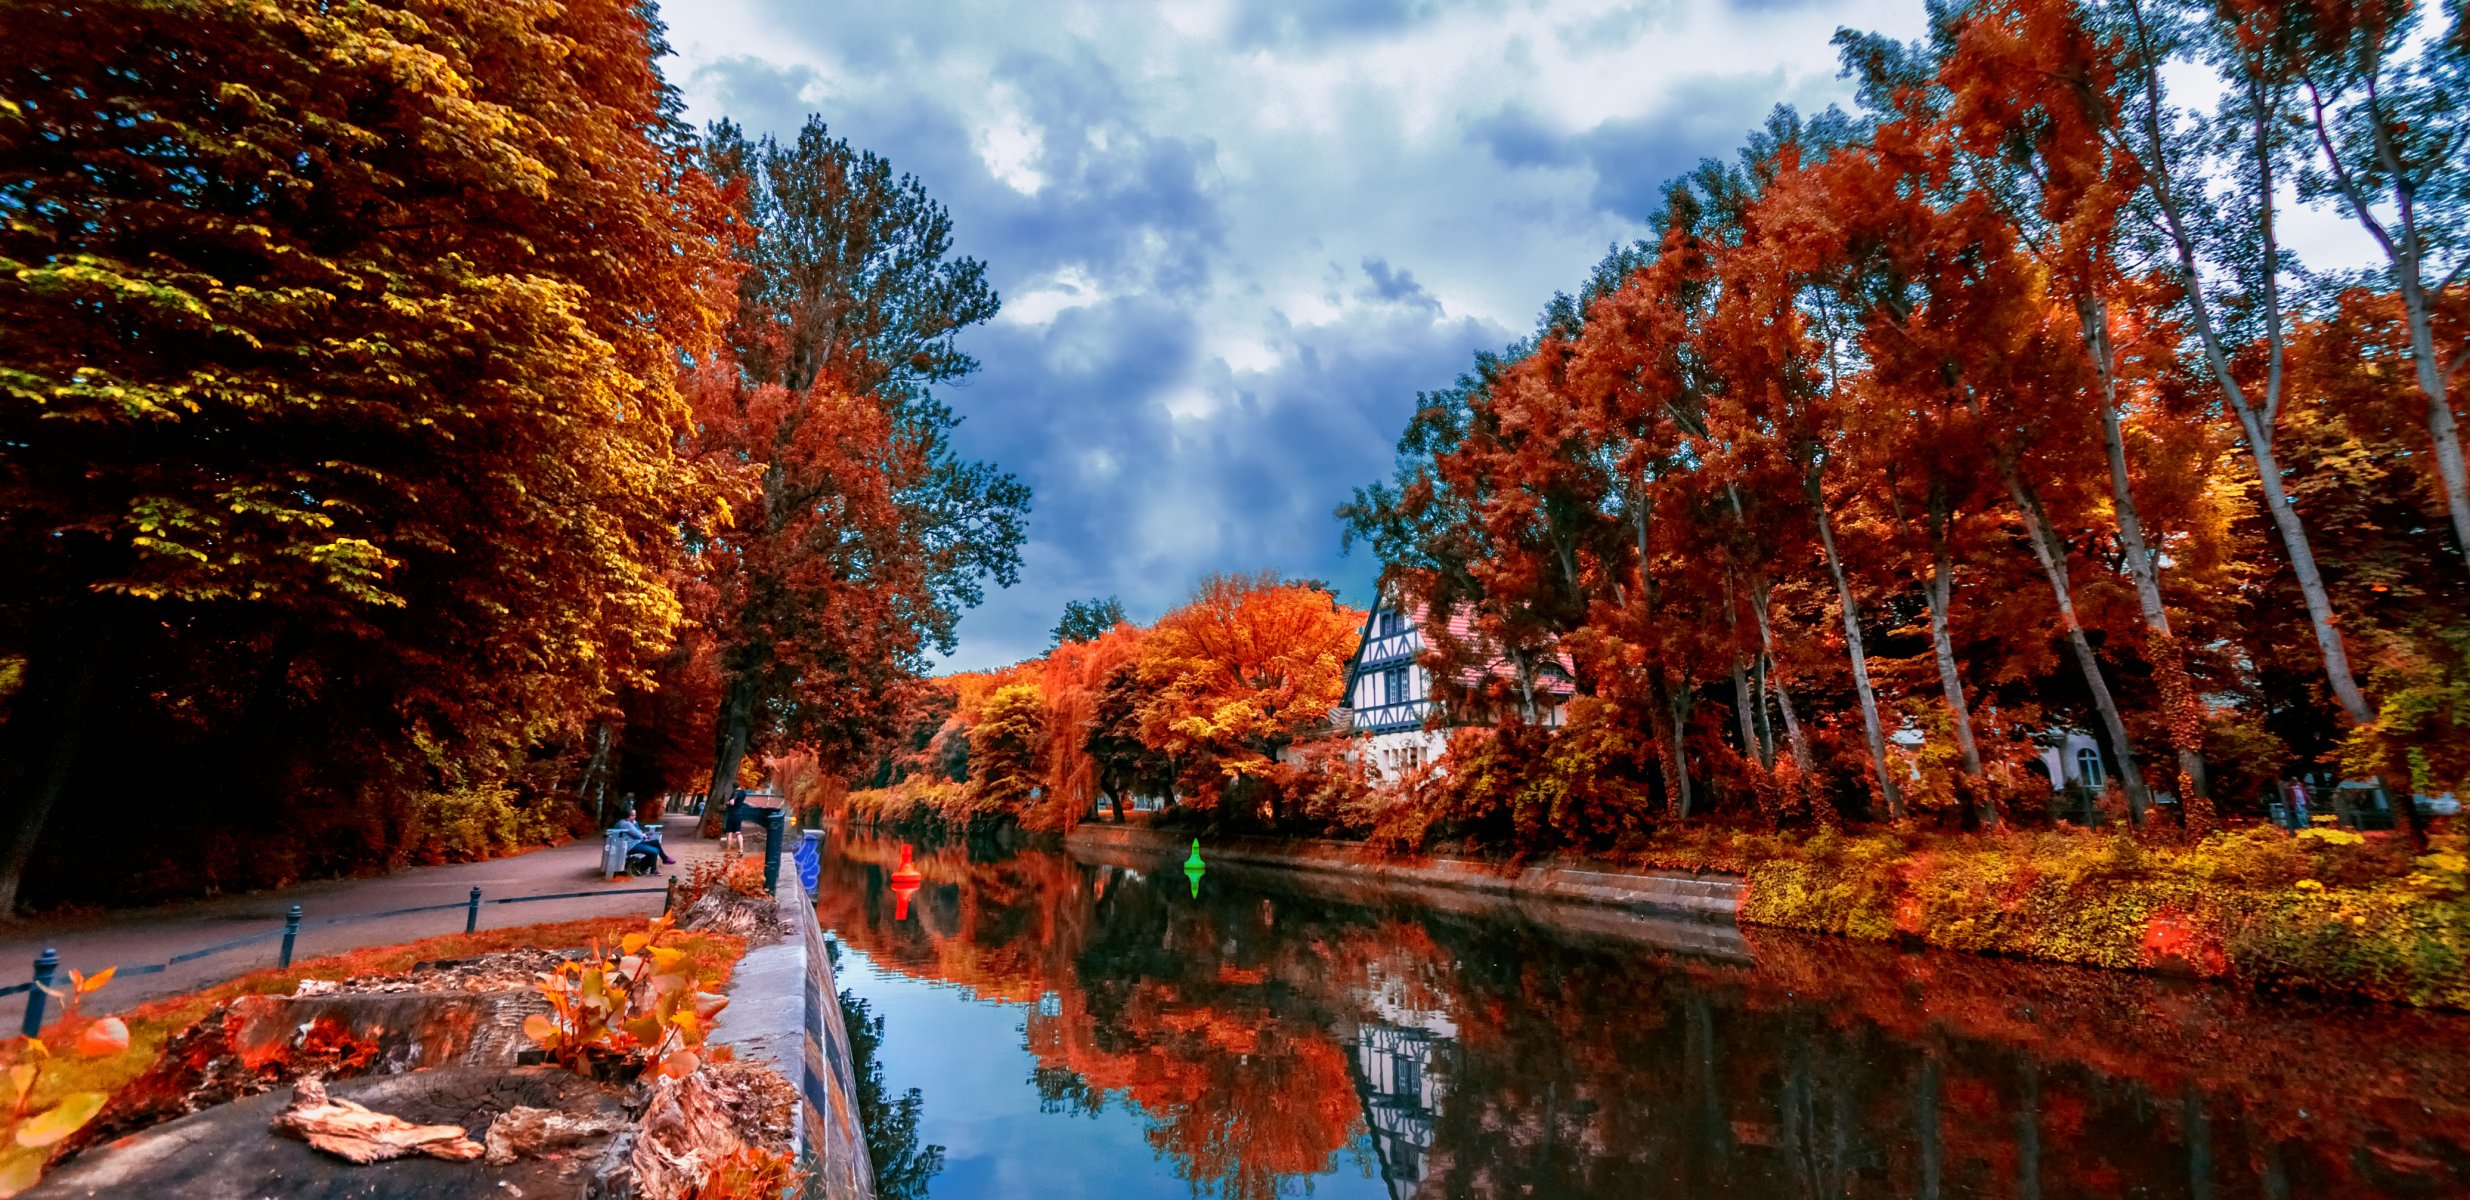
(1125, 763)
(860, 536)
(1007, 747)
(337, 399)
(1243, 670)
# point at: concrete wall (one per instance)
(784, 1010)
(1710, 896)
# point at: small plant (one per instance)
(747, 1173)
(732, 872)
(637, 1007)
(38, 1127)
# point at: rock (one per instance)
(356, 1133)
(525, 1130)
(226, 1153)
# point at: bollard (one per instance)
(775, 822)
(669, 897)
(46, 965)
(291, 930)
(471, 916)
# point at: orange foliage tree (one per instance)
(855, 537)
(1892, 442)
(1241, 671)
(337, 404)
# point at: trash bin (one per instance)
(613, 847)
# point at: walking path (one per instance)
(153, 935)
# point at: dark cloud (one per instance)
(1517, 138)
(1634, 157)
(1302, 22)
(1396, 286)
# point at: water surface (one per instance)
(1089, 1027)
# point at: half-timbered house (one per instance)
(1390, 698)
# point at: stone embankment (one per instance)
(1670, 910)
(784, 1011)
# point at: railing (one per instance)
(47, 964)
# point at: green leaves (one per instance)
(61, 1119)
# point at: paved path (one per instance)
(153, 935)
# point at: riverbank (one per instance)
(2323, 913)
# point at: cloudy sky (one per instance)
(1235, 237)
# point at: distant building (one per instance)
(1391, 702)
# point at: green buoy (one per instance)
(1193, 867)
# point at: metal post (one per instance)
(810, 858)
(46, 965)
(471, 916)
(775, 821)
(669, 897)
(291, 930)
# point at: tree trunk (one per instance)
(1940, 594)
(1676, 705)
(1744, 714)
(1793, 736)
(2054, 564)
(736, 732)
(595, 782)
(2255, 423)
(2294, 541)
(1887, 789)
(2169, 661)
(48, 754)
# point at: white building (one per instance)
(1390, 698)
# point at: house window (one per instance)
(1394, 685)
(2088, 767)
(1390, 622)
(1410, 1072)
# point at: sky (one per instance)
(1234, 238)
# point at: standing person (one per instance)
(2298, 804)
(733, 824)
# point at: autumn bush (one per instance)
(2325, 910)
(927, 806)
(473, 823)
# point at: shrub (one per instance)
(472, 823)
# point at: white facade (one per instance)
(1389, 697)
(2076, 759)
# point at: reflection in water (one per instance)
(1263, 1039)
(902, 1167)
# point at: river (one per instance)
(1091, 1027)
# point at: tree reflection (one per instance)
(1260, 1034)
(902, 1166)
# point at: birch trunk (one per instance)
(2054, 564)
(2255, 422)
(2169, 661)
(1940, 594)
(1887, 789)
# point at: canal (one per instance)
(1088, 1026)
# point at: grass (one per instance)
(710, 958)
